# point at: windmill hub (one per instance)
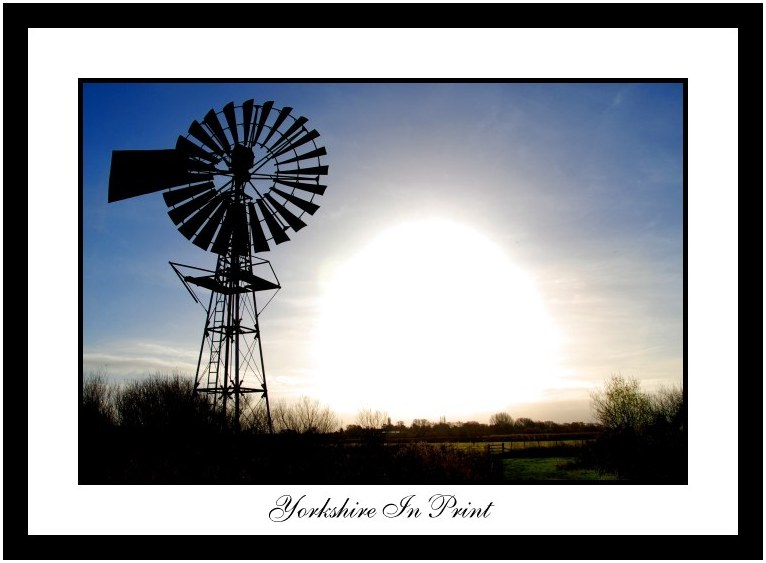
(242, 159)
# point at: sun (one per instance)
(432, 319)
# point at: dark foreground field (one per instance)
(121, 457)
(158, 431)
(116, 456)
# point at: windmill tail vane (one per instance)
(235, 185)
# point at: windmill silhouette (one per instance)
(239, 180)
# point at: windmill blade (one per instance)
(307, 206)
(276, 229)
(297, 124)
(310, 136)
(231, 121)
(196, 177)
(239, 241)
(185, 146)
(288, 136)
(197, 166)
(211, 120)
(293, 220)
(135, 173)
(321, 151)
(177, 196)
(312, 171)
(284, 112)
(260, 244)
(180, 213)
(198, 132)
(247, 115)
(190, 227)
(205, 236)
(221, 244)
(317, 189)
(264, 111)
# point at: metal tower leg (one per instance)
(231, 363)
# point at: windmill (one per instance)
(242, 178)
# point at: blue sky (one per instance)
(577, 186)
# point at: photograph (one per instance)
(389, 282)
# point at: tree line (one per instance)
(640, 436)
(167, 402)
(630, 419)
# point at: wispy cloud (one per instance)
(135, 359)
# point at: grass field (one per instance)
(548, 469)
(505, 447)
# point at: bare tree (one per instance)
(501, 421)
(369, 419)
(667, 406)
(304, 415)
(98, 399)
(282, 416)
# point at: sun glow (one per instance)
(432, 319)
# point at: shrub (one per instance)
(97, 408)
(622, 406)
(644, 436)
(428, 463)
(162, 403)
